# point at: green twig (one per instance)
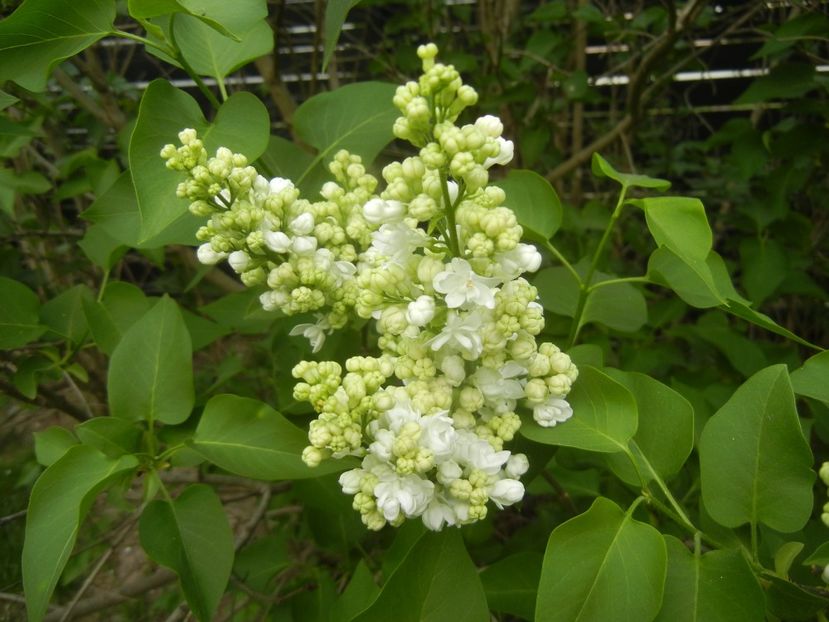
(626, 279)
(584, 287)
(179, 56)
(557, 254)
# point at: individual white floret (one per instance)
(462, 286)
(551, 412)
(420, 312)
(314, 333)
(208, 256)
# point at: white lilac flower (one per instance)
(208, 256)
(454, 369)
(278, 184)
(397, 242)
(490, 125)
(513, 263)
(350, 481)
(314, 333)
(438, 435)
(473, 451)
(304, 244)
(277, 241)
(379, 212)
(409, 495)
(439, 513)
(302, 224)
(505, 153)
(462, 286)
(506, 492)
(554, 410)
(462, 333)
(500, 384)
(421, 311)
(239, 261)
(516, 466)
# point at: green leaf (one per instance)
(535, 203)
(150, 373)
(691, 279)
(764, 266)
(812, 379)
(602, 565)
(335, 13)
(52, 443)
(251, 439)
(785, 556)
(112, 437)
(192, 537)
(41, 33)
(242, 125)
(602, 168)
(100, 247)
(358, 596)
(427, 585)
(744, 311)
(210, 53)
(619, 306)
(7, 100)
(604, 416)
(357, 117)
(680, 224)
(716, 587)
(60, 499)
(756, 439)
(511, 584)
(665, 434)
(794, 31)
(259, 562)
(64, 314)
(788, 601)
(122, 305)
(284, 159)
(231, 19)
(18, 315)
(820, 557)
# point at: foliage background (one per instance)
(636, 81)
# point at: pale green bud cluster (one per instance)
(824, 477)
(434, 261)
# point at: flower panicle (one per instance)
(434, 259)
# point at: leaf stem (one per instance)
(627, 279)
(584, 286)
(148, 42)
(179, 56)
(557, 254)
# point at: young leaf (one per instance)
(111, 436)
(41, 33)
(602, 168)
(231, 19)
(511, 584)
(122, 305)
(259, 562)
(60, 499)
(52, 443)
(427, 585)
(691, 279)
(604, 416)
(192, 537)
(757, 440)
(251, 439)
(242, 125)
(680, 224)
(716, 587)
(358, 596)
(535, 203)
(335, 13)
(812, 379)
(742, 310)
(18, 315)
(212, 54)
(357, 117)
(64, 314)
(150, 373)
(665, 434)
(602, 565)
